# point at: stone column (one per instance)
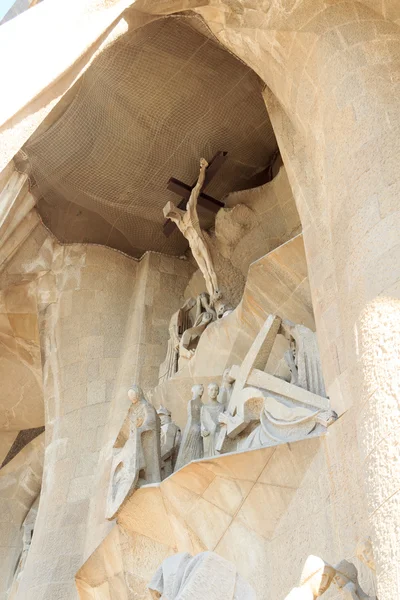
(339, 137)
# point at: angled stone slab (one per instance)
(257, 356)
(263, 380)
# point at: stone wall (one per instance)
(103, 323)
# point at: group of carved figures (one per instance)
(185, 332)
(252, 408)
(208, 575)
(249, 410)
(145, 450)
(149, 446)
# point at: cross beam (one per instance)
(184, 190)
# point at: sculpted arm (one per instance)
(203, 419)
(235, 424)
(192, 203)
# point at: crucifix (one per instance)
(187, 221)
(184, 190)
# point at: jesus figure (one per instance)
(188, 223)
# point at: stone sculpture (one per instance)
(225, 391)
(315, 579)
(277, 419)
(365, 553)
(346, 579)
(137, 453)
(203, 304)
(210, 424)
(191, 447)
(303, 358)
(264, 410)
(179, 323)
(189, 225)
(204, 576)
(170, 441)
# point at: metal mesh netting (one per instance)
(146, 110)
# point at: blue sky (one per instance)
(4, 6)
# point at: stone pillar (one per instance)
(339, 136)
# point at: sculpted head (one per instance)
(317, 575)
(345, 572)
(197, 390)
(217, 295)
(213, 390)
(226, 377)
(170, 211)
(135, 393)
(221, 310)
(365, 553)
(165, 415)
(205, 297)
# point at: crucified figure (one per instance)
(188, 223)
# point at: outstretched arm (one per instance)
(192, 203)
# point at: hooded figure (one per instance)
(206, 575)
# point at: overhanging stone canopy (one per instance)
(149, 106)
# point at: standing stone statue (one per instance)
(191, 447)
(206, 576)
(303, 358)
(365, 553)
(137, 453)
(170, 441)
(225, 391)
(189, 225)
(346, 579)
(210, 424)
(316, 577)
(178, 324)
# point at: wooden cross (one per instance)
(184, 190)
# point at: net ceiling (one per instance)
(146, 110)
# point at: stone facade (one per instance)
(80, 324)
